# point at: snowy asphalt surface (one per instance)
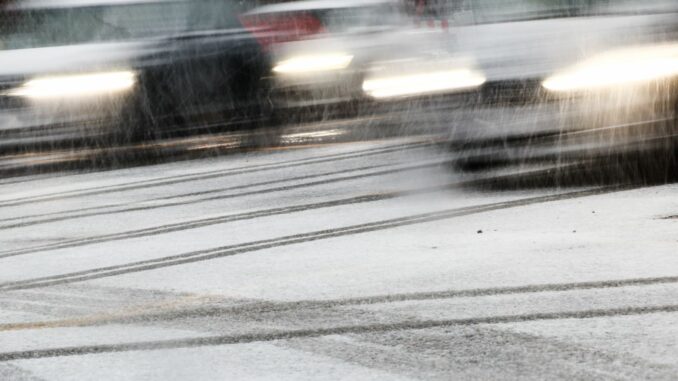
(349, 261)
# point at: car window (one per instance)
(359, 18)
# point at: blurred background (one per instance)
(90, 83)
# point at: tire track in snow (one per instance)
(211, 191)
(250, 308)
(225, 251)
(194, 224)
(264, 307)
(319, 332)
(144, 205)
(142, 184)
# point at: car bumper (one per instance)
(35, 121)
(545, 126)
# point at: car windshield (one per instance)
(34, 28)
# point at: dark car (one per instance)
(101, 71)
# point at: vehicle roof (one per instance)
(306, 5)
(46, 4)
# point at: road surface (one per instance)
(357, 261)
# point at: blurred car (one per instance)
(321, 48)
(111, 70)
(564, 79)
(510, 80)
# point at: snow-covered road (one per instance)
(349, 261)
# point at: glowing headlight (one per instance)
(425, 83)
(313, 63)
(80, 85)
(620, 67)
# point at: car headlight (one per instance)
(423, 83)
(78, 85)
(618, 68)
(313, 63)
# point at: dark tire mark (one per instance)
(194, 224)
(95, 211)
(212, 191)
(318, 332)
(225, 251)
(263, 307)
(210, 175)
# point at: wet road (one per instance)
(362, 260)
